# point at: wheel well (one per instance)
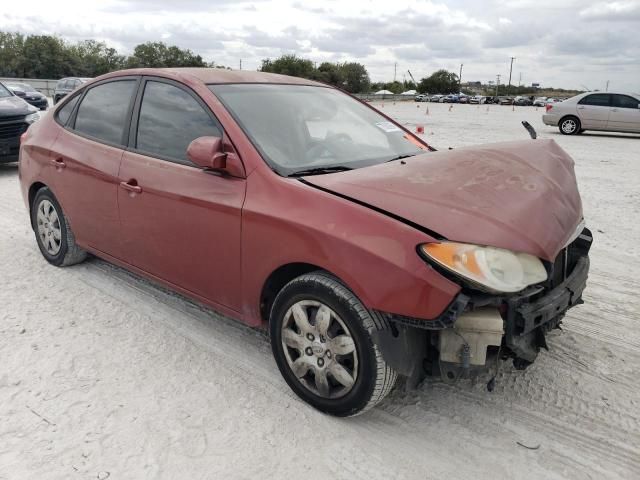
(277, 280)
(33, 190)
(570, 116)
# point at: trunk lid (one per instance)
(521, 196)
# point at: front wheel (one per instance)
(569, 126)
(321, 338)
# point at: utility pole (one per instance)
(460, 79)
(510, 70)
(395, 67)
(497, 83)
(606, 89)
(520, 80)
(240, 64)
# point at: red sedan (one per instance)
(292, 206)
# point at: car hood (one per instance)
(521, 196)
(14, 106)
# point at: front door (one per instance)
(179, 223)
(593, 111)
(625, 114)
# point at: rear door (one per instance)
(593, 111)
(86, 157)
(179, 223)
(625, 114)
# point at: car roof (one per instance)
(215, 75)
(613, 93)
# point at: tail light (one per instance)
(548, 107)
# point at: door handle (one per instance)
(614, 109)
(580, 108)
(132, 186)
(58, 162)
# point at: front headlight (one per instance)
(32, 117)
(495, 269)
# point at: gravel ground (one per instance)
(105, 375)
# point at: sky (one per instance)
(578, 44)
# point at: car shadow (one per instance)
(601, 134)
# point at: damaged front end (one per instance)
(480, 328)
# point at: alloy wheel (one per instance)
(319, 349)
(49, 228)
(569, 126)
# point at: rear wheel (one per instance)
(569, 125)
(322, 344)
(53, 233)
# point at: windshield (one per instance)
(4, 92)
(298, 127)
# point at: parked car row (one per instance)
(482, 99)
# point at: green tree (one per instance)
(289, 65)
(11, 46)
(441, 81)
(93, 58)
(330, 73)
(44, 56)
(158, 54)
(356, 77)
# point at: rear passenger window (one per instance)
(103, 111)
(625, 101)
(65, 112)
(170, 119)
(596, 99)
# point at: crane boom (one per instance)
(413, 79)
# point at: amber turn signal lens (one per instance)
(490, 268)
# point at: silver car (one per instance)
(612, 112)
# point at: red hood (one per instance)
(521, 196)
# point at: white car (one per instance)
(478, 99)
(539, 101)
(604, 111)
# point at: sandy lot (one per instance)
(104, 375)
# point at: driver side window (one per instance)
(170, 119)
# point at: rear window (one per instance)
(625, 101)
(65, 112)
(103, 111)
(596, 99)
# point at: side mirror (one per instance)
(206, 152)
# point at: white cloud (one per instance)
(564, 43)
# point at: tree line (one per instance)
(350, 76)
(48, 56)
(354, 78)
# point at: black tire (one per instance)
(373, 377)
(569, 125)
(68, 252)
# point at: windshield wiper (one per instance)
(400, 157)
(320, 170)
